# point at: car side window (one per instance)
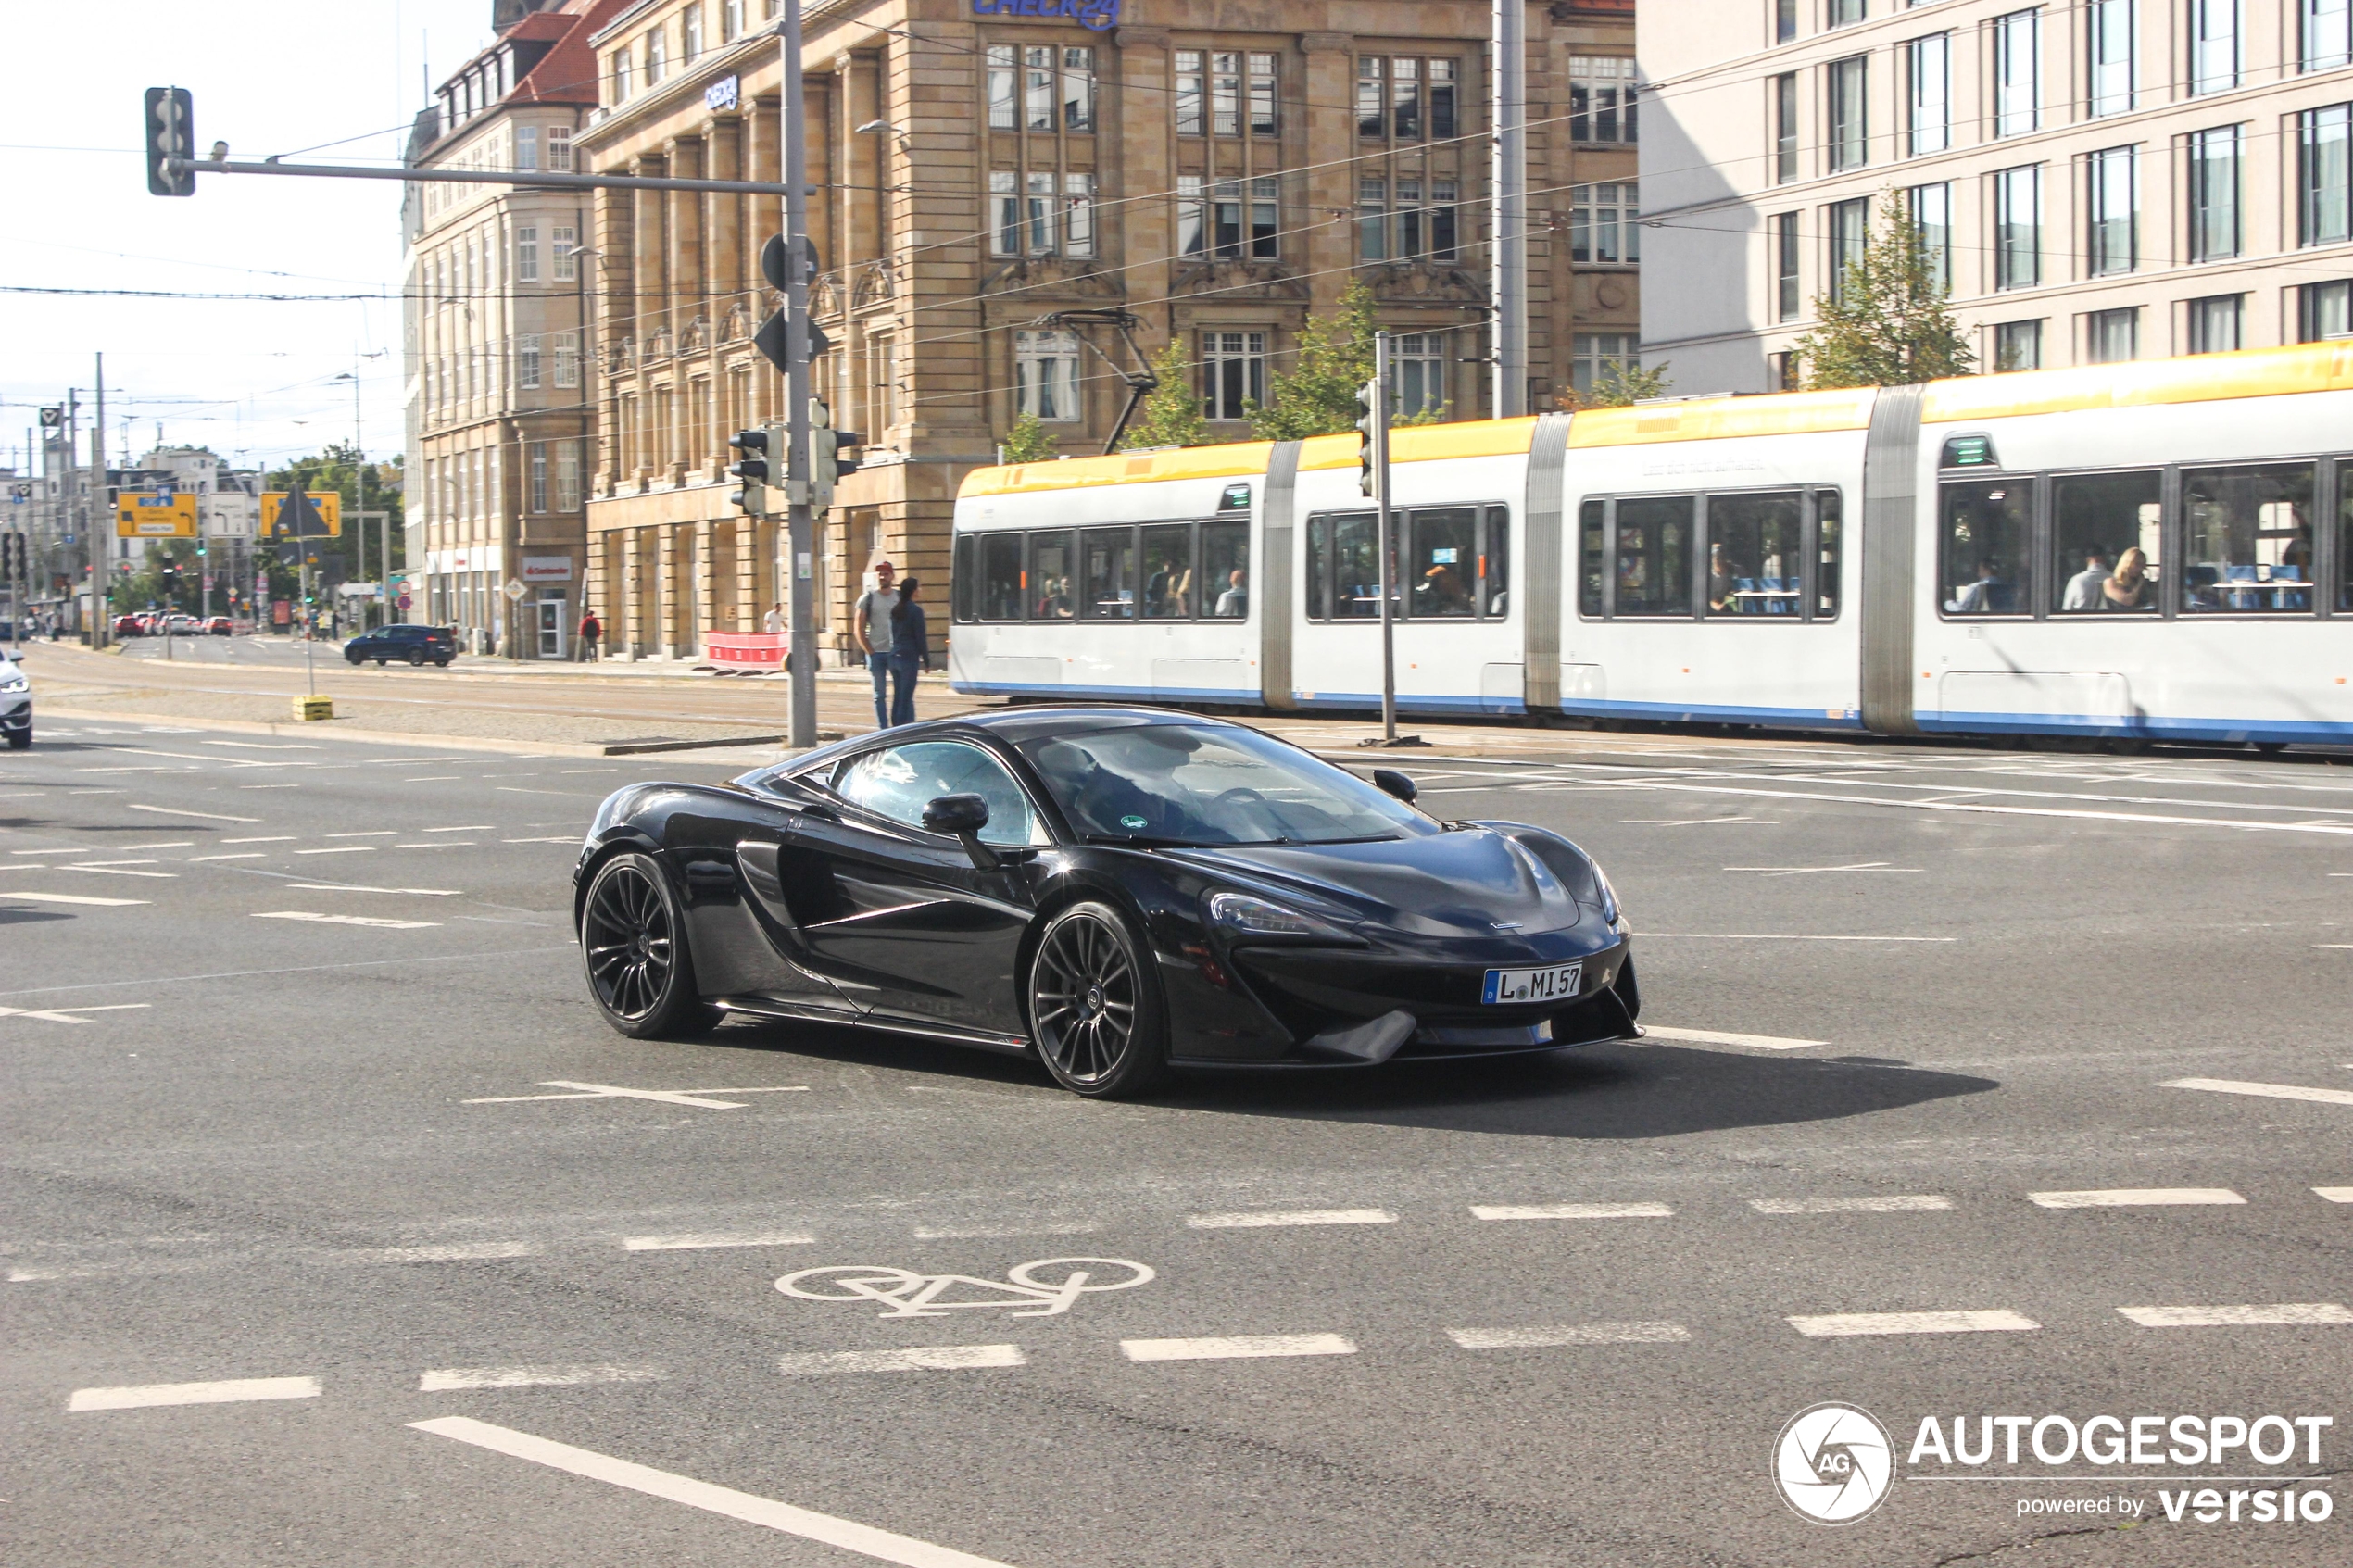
(898, 782)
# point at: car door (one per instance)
(901, 917)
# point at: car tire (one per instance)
(441, 664)
(354, 658)
(383, 661)
(633, 947)
(20, 740)
(1090, 972)
(417, 657)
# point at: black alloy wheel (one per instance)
(417, 657)
(1094, 1005)
(634, 944)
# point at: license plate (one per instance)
(1557, 983)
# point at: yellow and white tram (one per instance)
(2154, 550)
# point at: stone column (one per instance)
(705, 588)
(648, 255)
(724, 242)
(1135, 143)
(1330, 247)
(764, 161)
(668, 601)
(629, 628)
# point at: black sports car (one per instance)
(1118, 890)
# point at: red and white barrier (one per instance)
(746, 650)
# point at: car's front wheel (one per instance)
(1095, 1006)
(20, 740)
(417, 657)
(633, 940)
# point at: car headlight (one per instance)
(1247, 915)
(1611, 914)
(16, 683)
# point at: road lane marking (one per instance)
(1569, 1333)
(2335, 1194)
(344, 919)
(695, 1240)
(243, 854)
(1694, 822)
(1841, 1324)
(991, 1232)
(884, 1545)
(283, 968)
(172, 811)
(358, 888)
(234, 1391)
(1848, 1205)
(342, 849)
(1815, 871)
(2232, 1086)
(2275, 1315)
(371, 833)
(937, 1358)
(256, 746)
(69, 898)
(470, 827)
(1726, 1037)
(443, 844)
(119, 871)
(167, 844)
(446, 1379)
(1238, 1346)
(1250, 1219)
(1782, 937)
(667, 1097)
(455, 1252)
(1571, 1211)
(65, 1015)
(2133, 1197)
(44, 851)
(559, 838)
(273, 838)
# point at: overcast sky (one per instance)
(254, 381)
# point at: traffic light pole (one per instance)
(101, 568)
(801, 650)
(1378, 436)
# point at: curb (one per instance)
(332, 729)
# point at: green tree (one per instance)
(365, 487)
(1029, 441)
(1620, 384)
(170, 578)
(1335, 358)
(1890, 325)
(1171, 415)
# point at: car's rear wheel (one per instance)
(1095, 1006)
(633, 941)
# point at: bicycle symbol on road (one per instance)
(1030, 1290)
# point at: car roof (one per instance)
(1015, 725)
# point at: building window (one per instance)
(2110, 337)
(567, 476)
(1005, 212)
(567, 359)
(2325, 310)
(1600, 98)
(1390, 101)
(2018, 227)
(657, 55)
(621, 84)
(1785, 128)
(1078, 90)
(1372, 220)
(1417, 373)
(559, 147)
(731, 20)
(1412, 227)
(527, 361)
(2327, 42)
(2214, 194)
(2108, 55)
(561, 246)
(2017, 73)
(690, 32)
(1233, 373)
(1850, 143)
(1223, 93)
(2112, 237)
(1787, 303)
(1599, 357)
(1602, 222)
(1190, 118)
(1785, 22)
(527, 254)
(1783, 373)
(1927, 94)
(538, 476)
(1840, 13)
(882, 381)
(2017, 346)
(2214, 324)
(527, 146)
(1037, 98)
(1001, 69)
(1046, 374)
(2214, 46)
(1236, 219)
(1191, 216)
(1078, 215)
(1931, 213)
(1263, 97)
(1850, 223)
(2323, 173)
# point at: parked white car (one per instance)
(15, 703)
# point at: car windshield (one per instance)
(1202, 785)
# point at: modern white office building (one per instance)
(2104, 180)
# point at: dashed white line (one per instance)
(470, 827)
(171, 812)
(1894, 1205)
(446, 1379)
(242, 855)
(1251, 1219)
(233, 1391)
(559, 838)
(935, 1358)
(2277, 1314)
(272, 839)
(693, 1240)
(371, 833)
(342, 849)
(167, 844)
(1726, 1037)
(2261, 1091)
(459, 1252)
(2335, 1194)
(2133, 1197)
(69, 898)
(358, 888)
(1571, 1211)
(1782, 937)
(1569, 1333)
(318, 919)
(1238, 1346)
(120, 871)
(1841, 1324)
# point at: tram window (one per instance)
(1655, 556)
(1495, 563)
(1357, 566)
(1000, 577)
(1108, 578)
(1985, 525)
(1168, 573)
(1755, 554)
(1592, 564)
(2248, 539)
(1442, 570)
(2107, 533)
(965, 591)
(1827, 543)
(1225, 570)
(1319, 567)
(2345, 535)
(1050, 575)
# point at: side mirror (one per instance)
(1389, 780)
(963, 815)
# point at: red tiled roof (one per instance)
(568, 72)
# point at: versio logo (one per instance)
(1833, 1464)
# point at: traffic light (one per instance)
(171, 134)
(827, 445)
(1368, 438)
(12, 557)
(752, 470)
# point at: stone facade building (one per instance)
(1218, 171)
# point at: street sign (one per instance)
(403, 601)
(514, 590)
(157, 515)
(328, 502)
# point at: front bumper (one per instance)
(16, 711)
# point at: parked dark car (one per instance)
(1114, 890)
(410, 645)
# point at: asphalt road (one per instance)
(306, 1105)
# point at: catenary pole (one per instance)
(1509, 228)
(1378, 436)
(101, 578)
(801, 650)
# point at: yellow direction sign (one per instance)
(329, 502)
(151, 515)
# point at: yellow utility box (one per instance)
(314, 707)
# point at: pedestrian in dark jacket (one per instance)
(910, 651)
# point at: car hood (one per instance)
(1471, 881)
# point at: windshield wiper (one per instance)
(1139, 841)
